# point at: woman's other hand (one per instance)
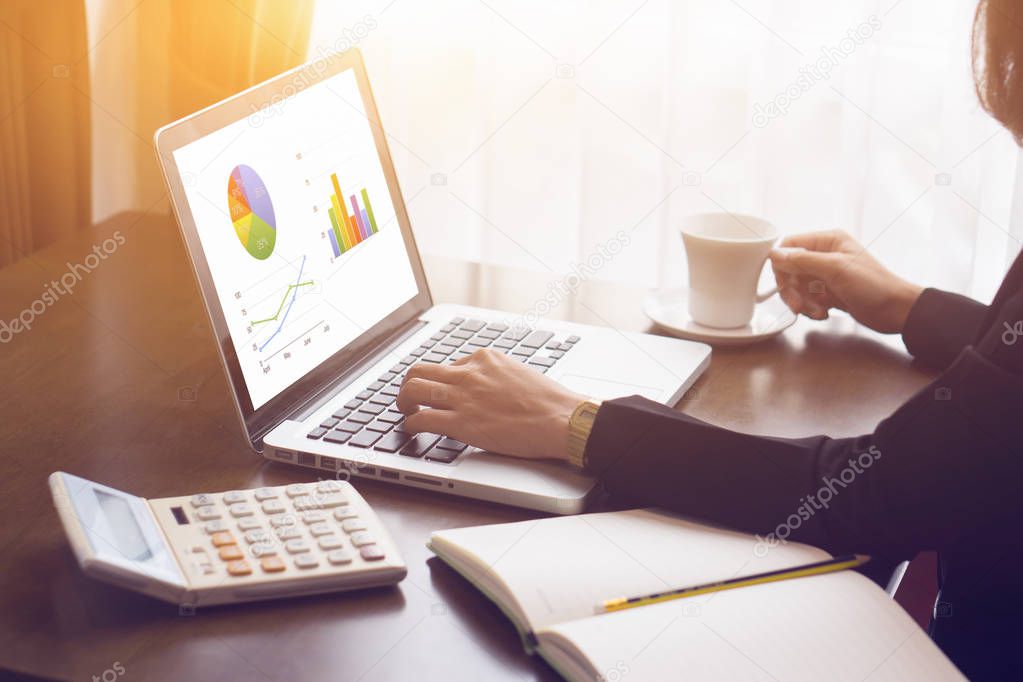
(818, 271)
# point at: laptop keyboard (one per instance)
(372, 420)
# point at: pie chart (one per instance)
(252, 212)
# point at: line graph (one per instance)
(284, 299)
(292, 291)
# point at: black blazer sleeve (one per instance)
(939, 468)
(940, 325)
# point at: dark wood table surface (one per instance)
(119, 382)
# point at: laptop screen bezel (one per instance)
(254, 102)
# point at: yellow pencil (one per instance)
(830, 566)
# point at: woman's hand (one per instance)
(822, 270)
(491, 401)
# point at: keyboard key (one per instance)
(386, 377)
(379, 426)
(361, 539)
(446, 348)
(460, 354)
(557, 354)
(523, 351)
(233, 497)
(542, 361)
(207, 513)
(448, 328)
(353, 525)
(321, 529)
(497, 327)
(329, 423)
(434, 357)
(408, 360)
(215, 527)
(350, 426)
(353, 404)
(222, 539)
(241, 509)
(565, 347)
(451, 444)
(472, 325)
(537, 339)
(340, 557)
(392, 442)
(439, 336)
(376, 386)
(487, 334)
(328, 501)
(391, 416)
(330, 542)
(442, 456)
(314, 516)
(364, 395)
(273, 507)
(297, 546)
(342, 413)
(418, 446)
(239, 568)
(289, 533)
(307, 561)
(391, 391)
(374, 408)
(338, 436)
(295, 490)
(342, 513)
(254, 536)
(516, 334)
(418, 351)
(329, 486)
(286, 520)
(202, 500)
(457, 320)
(360, 418)
(316, 433)
(248, 523)
(572, 339)
(398, 370)
(479, 342)
(272, 564)
(384, 400)
(266, 494)
(364, 439)
(371, 553)
(230, 553)
(553, 345)
(264, 549)
(463, 335)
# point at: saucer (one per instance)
(669, 310)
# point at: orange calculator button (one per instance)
(272, 564)
(222, 538)
(239, 568)
(231, 553)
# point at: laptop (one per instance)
(300, 242)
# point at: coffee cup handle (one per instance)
(763, 296)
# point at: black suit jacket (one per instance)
(943, 472)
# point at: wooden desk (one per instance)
(118, 382)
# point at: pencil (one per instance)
(830, 566)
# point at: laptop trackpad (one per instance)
(605, 389)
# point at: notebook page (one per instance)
(558, 569)
(829, 627)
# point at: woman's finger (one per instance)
(434, 420)
(433, 372)
(417, 392)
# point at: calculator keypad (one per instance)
(285, 530)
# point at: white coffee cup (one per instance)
(726, 254)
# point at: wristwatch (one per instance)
(579, 426)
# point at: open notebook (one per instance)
(548, 575)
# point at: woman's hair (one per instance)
(997, 48)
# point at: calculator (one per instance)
(234, 546)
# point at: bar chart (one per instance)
(348, 230)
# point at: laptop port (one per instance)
(305, 459)
(419, 479)
(285, 455)
(393, 475)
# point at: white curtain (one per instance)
(532, 133)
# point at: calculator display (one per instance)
(127, 537)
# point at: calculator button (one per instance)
(240, 567)
(273, 507)
(330, 500)
(353, 525)
(241, 509)
(286, 520)
(306, 561)
(372, 553)
(272, 564)
(339, 557)
(345, 513)
(248, 523)
(233, 497)
(295, 489)
(215, 527)
(207, 513)
(362, 538)
(328, 487)
(231, 553)
(318, 529)
(331, 542)
(223, 538)
(296, 546)
(202, 500)
(264, 549)
(314, 516)
(266, 494)
(254, 536)
(287, 533)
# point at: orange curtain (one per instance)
(44, 125)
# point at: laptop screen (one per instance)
(293, 211)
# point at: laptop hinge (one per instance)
(317, 400)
